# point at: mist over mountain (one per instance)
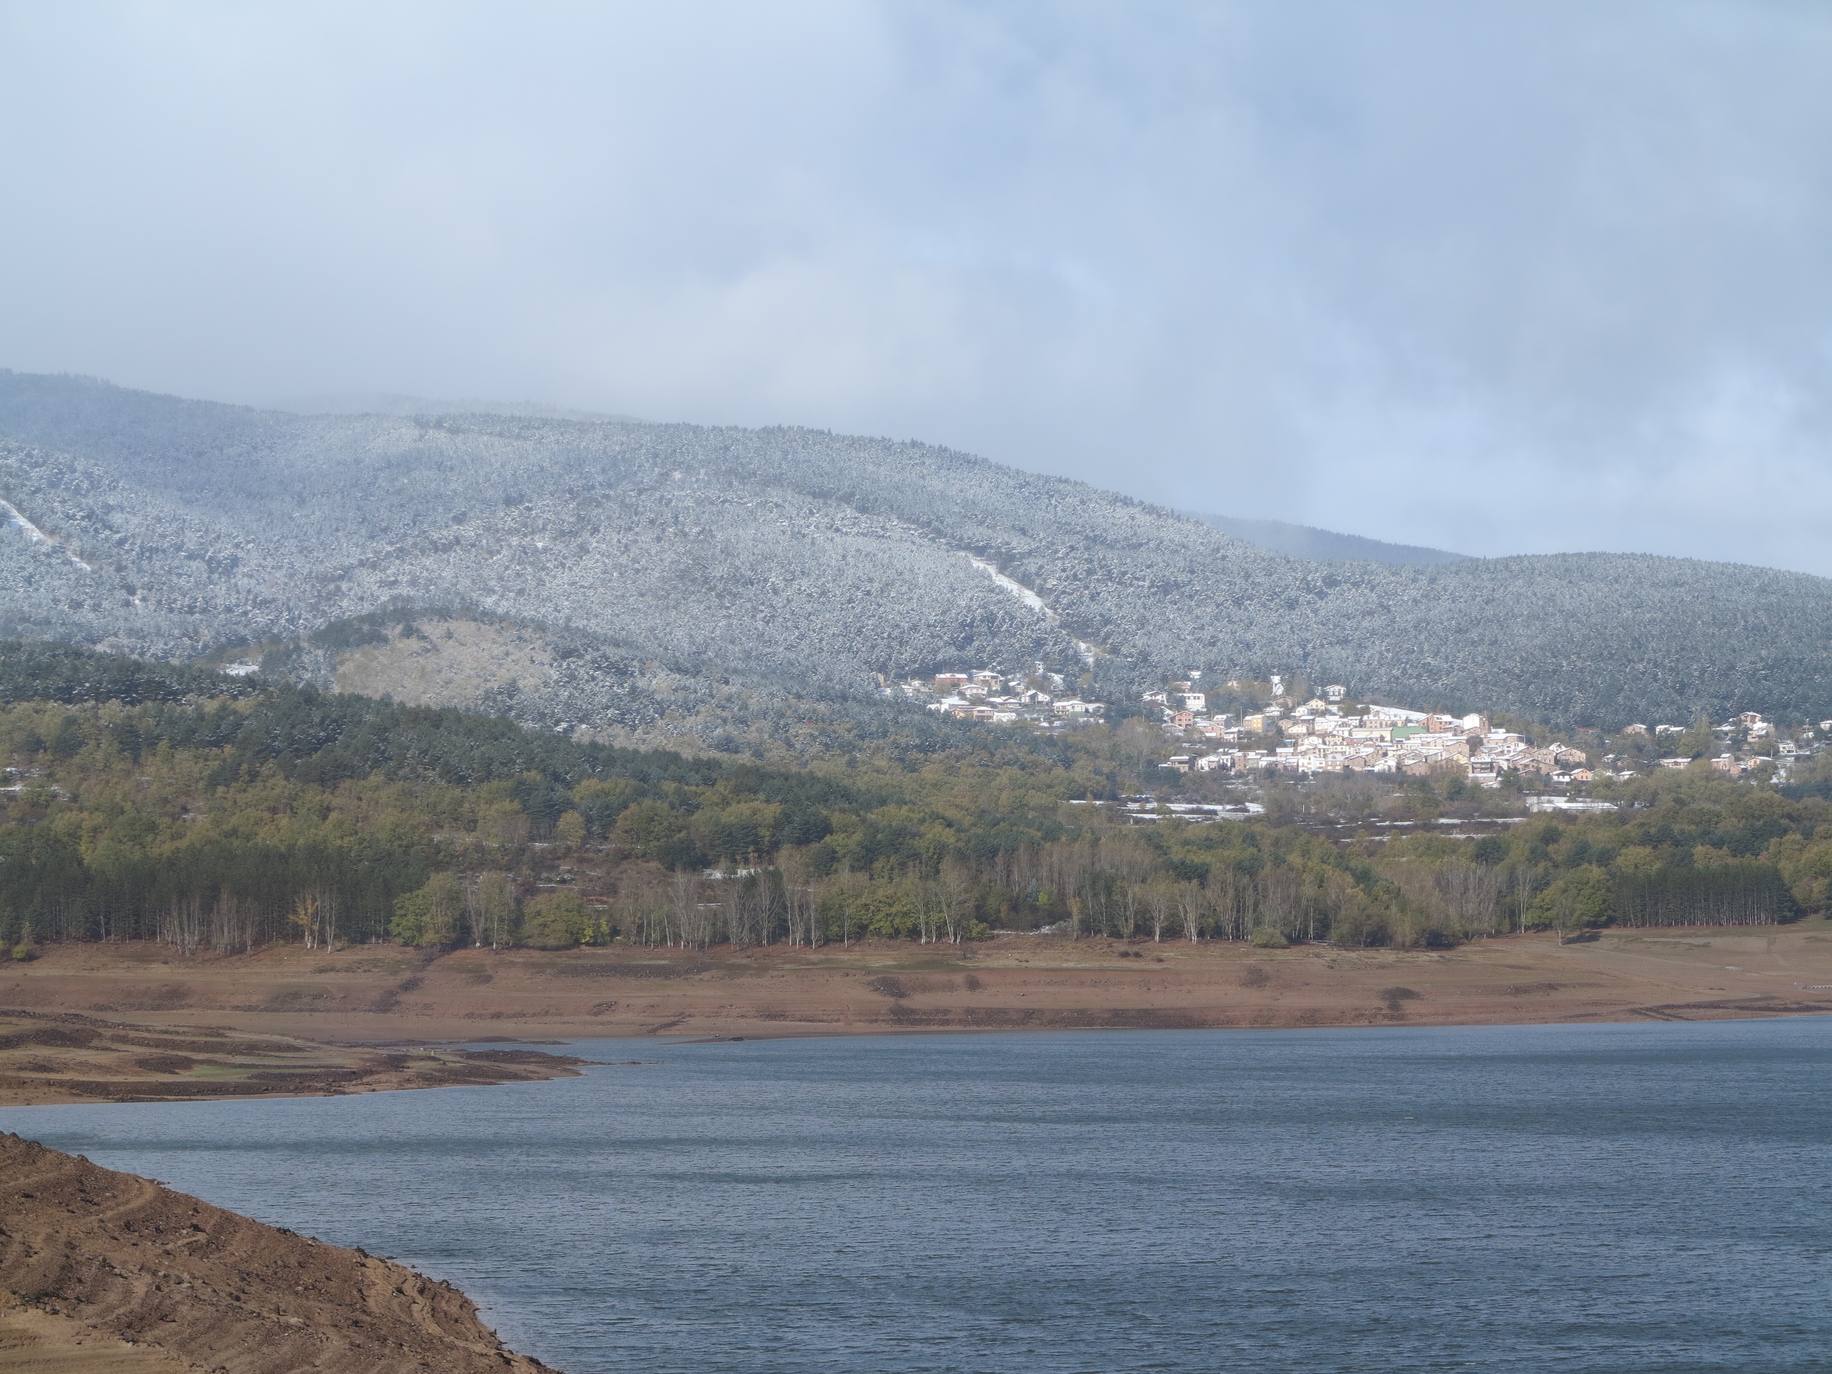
(675, 577)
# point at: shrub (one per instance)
(1268, 938)
(24, 953)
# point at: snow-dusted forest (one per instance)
(706, 576)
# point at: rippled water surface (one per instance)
(1608, 1199)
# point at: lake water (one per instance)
(1555, 1198)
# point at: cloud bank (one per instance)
(1501, 278)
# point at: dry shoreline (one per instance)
(371, 996)
(105, 1271)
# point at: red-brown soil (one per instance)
(103, 1271)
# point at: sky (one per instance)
(1508, 277)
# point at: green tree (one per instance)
(490, 904)
(554, 920)
(601, 800)
(1575, 901)
(649, 830)
(569, 830)
(1698, 741)
(429, 915)
(501, 822)
(1807, 867)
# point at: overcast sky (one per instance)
(1500, 278)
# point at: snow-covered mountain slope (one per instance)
(1306, 541)
(801, 563)
(10, 516)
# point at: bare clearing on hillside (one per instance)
(447, 662)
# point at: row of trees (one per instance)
(232, 824)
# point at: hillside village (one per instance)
(1038, 699)
(1286, 729)
(1329, 734)
(1746, 745)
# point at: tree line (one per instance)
(234, 820)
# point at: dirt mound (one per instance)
(95, 1258)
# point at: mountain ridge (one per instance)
(799, 565)
(1310, 541)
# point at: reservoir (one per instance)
(1590, 1199)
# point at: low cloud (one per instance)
(1515, 277)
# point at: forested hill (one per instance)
(140, 801)
(595, 572)
(325, 738)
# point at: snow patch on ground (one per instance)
(34, 535)
(1029, 598)
(1012, 585)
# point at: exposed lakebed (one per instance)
(1601, 1198)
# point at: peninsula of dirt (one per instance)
(104, 1271)
(66, 1057)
